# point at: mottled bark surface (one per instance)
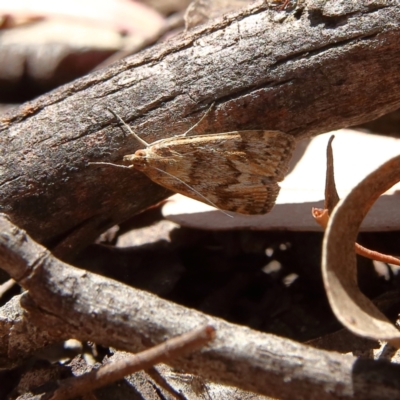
(64, 302)
(303, 72)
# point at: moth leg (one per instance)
(111, 164)
(198, 122)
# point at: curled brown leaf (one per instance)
(339, 268)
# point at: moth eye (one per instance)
(140, 153)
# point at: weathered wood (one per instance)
(63, 301)
(303, 72)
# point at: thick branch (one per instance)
(305, 72)
(87, 306)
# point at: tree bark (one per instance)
(316, 68)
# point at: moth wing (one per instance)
(267, 153)
(256, 152)
(234, 171)
(250, 195)
(241, 175)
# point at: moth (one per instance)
(234, 171)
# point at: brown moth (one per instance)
(234, 171)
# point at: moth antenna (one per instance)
(138, 138)
(194, 190)
(111, 164)
(201, 119)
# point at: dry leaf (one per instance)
(331, 199)
(67, 40)
(339, 268)
(122, 15)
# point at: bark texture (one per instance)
(63, 301)
(318, 67)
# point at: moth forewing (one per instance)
(236, 171)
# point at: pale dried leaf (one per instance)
(122, 15)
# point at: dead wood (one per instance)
(315, 68)
(117, 370)
(64, 301)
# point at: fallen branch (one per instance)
(86, 306)
(108, 373)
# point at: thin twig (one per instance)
(322, 217)
(172, 348)
(375, 255)
(6, 286)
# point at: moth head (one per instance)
(149, 158)
(139, 159)
(140, 154)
